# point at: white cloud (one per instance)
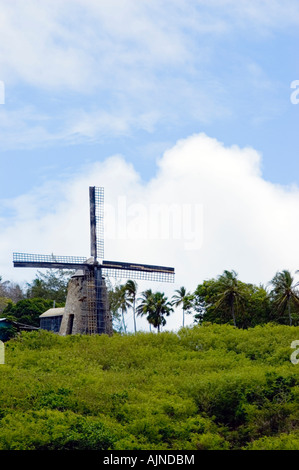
(248, 224)
(118, 66)
(263, 16)
(80, 45)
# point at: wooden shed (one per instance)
(7, 325)
(51, 319)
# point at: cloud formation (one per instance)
(111, 67)
(80, 44)
(207, 209)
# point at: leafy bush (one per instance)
(282, 442)
(27, 311)
(53, 430)
(7, 332)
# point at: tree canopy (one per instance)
(285, 294)
(50, 285)
(27, 311)
(226, 299)
(9, 293)
(223, 299)
(156, 307)
(184, 299)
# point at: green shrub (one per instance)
(53, 430)
(281, 442)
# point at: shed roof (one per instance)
(21, 326)
(53, 312)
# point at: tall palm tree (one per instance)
(146, 305)
(284, 292)
(156, 306)
(230, 292)
(113, 301)
(122, 302)
(183, 298)
(131, 290)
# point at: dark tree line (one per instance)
(228, 300)
(9, 293)
(26, 304)
(153, 305)
(224, 299)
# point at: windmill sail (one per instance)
(96, 198)
(138, 271)
(28, 260)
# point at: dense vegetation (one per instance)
(226, 383)
(26, 305)
(206, 387)
(221, 300)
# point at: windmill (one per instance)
(86, 310)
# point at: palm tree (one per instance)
(113, 301)
(131, 290)
(163, 308)
(230, 292)
(184, 298)
(146, 305)
(156, 306)
(284, 292)
(122, 302)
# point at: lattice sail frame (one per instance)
(137, 271)
(28, 260)
(92, 323)
(142, 276)
(99, 216)
(108, 268)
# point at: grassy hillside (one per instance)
(209, 387)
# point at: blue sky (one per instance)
(87, 81)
